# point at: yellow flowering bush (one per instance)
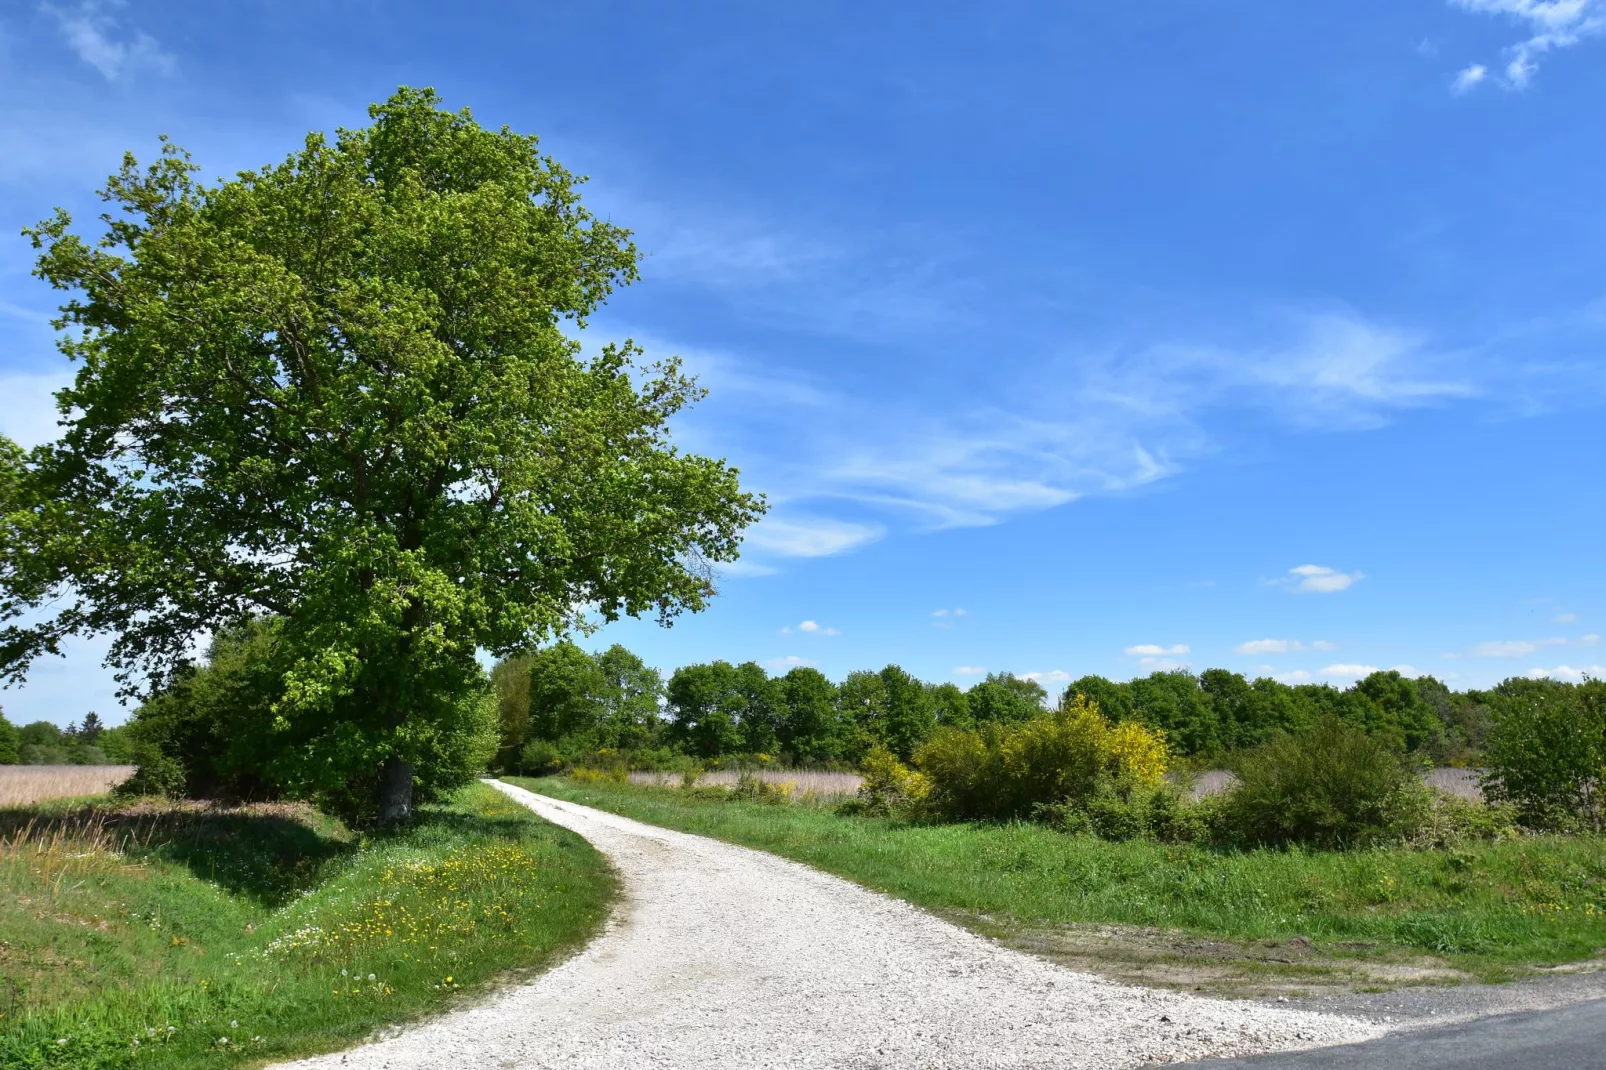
(1064, 757)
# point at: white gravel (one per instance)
(719, 956)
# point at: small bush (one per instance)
(1065, 757)
(756, 789)
(539, 758)
(1547, 753)
(1330, 786)
(617, 774)
(889, 786)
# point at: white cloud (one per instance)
(941, 616)
(1468, 77)
(1268, 646)
(1319, 579)
(743, 569)
(1513, 648)
(1552, 24)
(808, 536)
(1347, 672)
(1565, 618)
(1155, 650)
(970, 670)
(1324, 644)
(1588, 640)
(1298, 676)
(813, 628)
(90, 32)
(791, 661)
(1568, 672)
(1053, 676)
(1405, 670)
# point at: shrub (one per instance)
(540, 757)
(616, 774)
(756, 789)
(1065, 757)
(10, 747)
(889, 786)
(1331, 785)
(1547, 752)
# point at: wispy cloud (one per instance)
(1319, 579)
(970, 670)
(1155, 650)
(95, 37)
(1282, 646)
(1569, 672)
(1347, 672)
(810, 536)
(790, 661)
(810, 627)
(1551, 25)
(1564, 618)
(1052, 676)
(1468, 77)
(1513, 648)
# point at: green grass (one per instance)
(272, 926)
(1486, 908)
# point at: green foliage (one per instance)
(341, 391)
(1331, 786)
(274, 918)
(1487, 903)
(889, 786)
(211, 733)
(1004, 698)
(540, 758)
(812, 728)
(10, 744)
(1547, 752)
(1004, 771)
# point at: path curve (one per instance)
(721, 956)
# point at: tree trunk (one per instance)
(396, 792)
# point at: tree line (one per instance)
(563, 704)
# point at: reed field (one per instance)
(24, 784)
(803, 782)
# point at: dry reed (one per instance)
(804, 782)
(24, 784)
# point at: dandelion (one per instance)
(63, 1040)
(371, 977)
(234, 1025)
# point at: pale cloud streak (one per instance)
(1570, 673)
(1551, 24)
(970, 670)
(1320, 579)
(1347, 672)
(93, 35)
(1155, 650)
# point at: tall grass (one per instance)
(24, 784)
(181, 936)
(804, 783)
(1486, 907)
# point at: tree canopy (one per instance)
(337, 392)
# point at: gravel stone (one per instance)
(719, 956)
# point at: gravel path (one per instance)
(720, 956)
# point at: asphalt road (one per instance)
(1567, 1038)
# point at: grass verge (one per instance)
(165, 936)
(1236, 922)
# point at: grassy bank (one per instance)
(1485, 909)
(144, 936)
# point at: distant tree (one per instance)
(1113, 700)
(950, 706)
(10, 746)
(1174, 702)
(632, 692)
(344, 391)
(1004, 698)
(909, 718)
(760, 709)
(705, 704)
(863, 701)
(90, 730)
(510, 678)
(811, 727)
(1401, 714)
(566, 695)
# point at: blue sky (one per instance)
(1064, 338)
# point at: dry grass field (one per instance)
(820, 785)
(24, 784)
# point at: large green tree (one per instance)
(338, 391)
